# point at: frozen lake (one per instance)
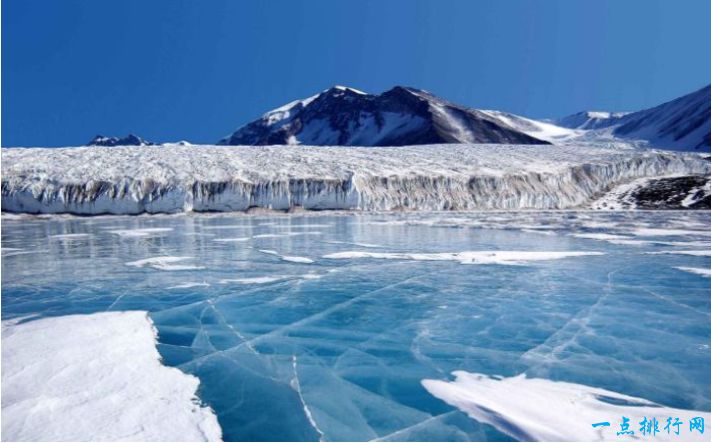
(308, 327)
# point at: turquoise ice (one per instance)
(308, 327)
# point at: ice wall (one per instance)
(133, 180)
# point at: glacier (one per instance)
(170, 179)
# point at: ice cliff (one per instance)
(133, 180)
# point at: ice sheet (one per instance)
(365, 332)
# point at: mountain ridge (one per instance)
(400, 116)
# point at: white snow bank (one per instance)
(533, 409)
(467, 257)
(96, 378)
(132, 180)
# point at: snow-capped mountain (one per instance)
(129, 140)
(401, 116)
(683, 123)
(590, 120)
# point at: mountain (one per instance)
(129, 140)
(683, 123)
(401, 116)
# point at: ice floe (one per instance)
(535, 409)
(96, 378)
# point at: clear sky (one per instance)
(170, 70)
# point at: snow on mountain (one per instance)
(590, 120)
(153, 179)
(681, 124)
(535, 128)
(129, 140)
(401, 116)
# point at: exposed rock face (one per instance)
(129, 140)
(691, 192)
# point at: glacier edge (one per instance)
(135, 180)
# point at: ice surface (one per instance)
(365, 332)
(96, 377)
(534, 409)
(133, 180)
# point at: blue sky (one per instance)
(170, 69)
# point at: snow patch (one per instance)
(466, 257)
(704, 272)
(534, 409)
(94, 378)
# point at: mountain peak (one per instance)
(400, 116)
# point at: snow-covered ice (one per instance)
(467, 257)
(165, 263)
(704, 272)
(96, 378)
(532, 409)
